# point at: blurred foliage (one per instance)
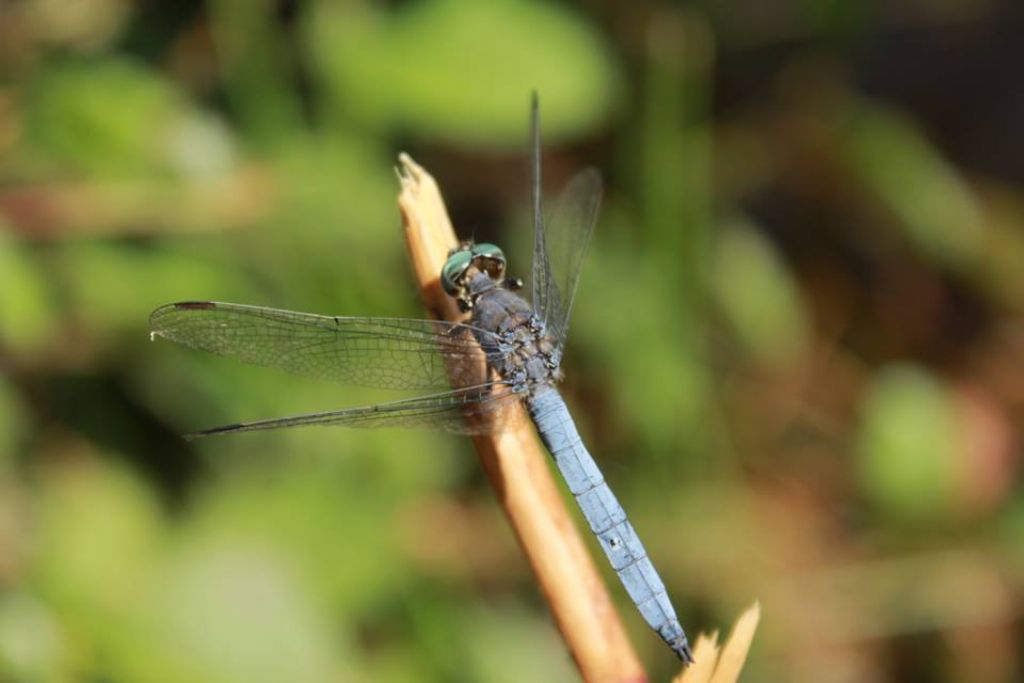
(797, 348)
(908, 444)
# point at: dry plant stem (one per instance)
(519, 471)
(714, 664)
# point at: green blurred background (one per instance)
(797, 349)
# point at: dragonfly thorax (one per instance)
(521, 349)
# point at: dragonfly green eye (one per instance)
(489, 258)
(491, 251)
(454, 270)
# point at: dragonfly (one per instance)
(509, 350)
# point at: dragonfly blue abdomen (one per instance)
(606, 518)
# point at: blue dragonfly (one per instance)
(509, 351)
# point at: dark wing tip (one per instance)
(223, 429)
(183, 306)
(192, 305)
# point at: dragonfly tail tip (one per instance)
(682, 649)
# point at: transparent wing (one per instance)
(560, 244)
(389, 353)
(566, 238)
(469, 410)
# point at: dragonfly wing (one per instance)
(566, 236)
(561, 242)
(469, 410)
(388, 353)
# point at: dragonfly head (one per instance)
(466, 261)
